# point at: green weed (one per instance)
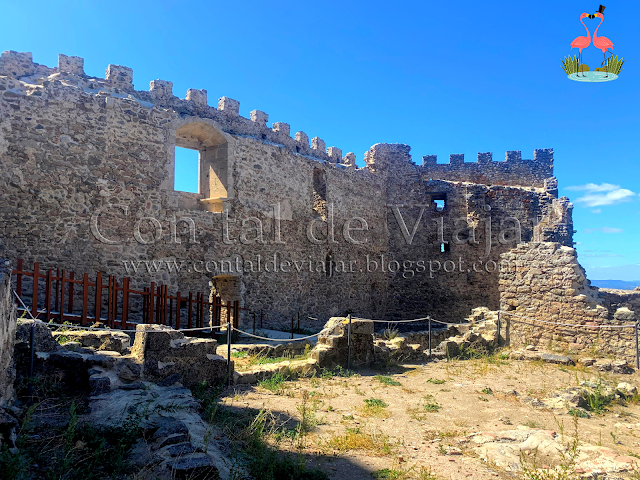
(385, 380)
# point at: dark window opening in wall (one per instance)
(445, 247)
(320, 192)
(440, 200)
(187, 168)
(327, 263)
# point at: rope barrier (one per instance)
(411, 321)
(277, 339)
(567, 324)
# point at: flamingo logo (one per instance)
(610, 67)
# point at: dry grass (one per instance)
(373, 442)
(374, 407)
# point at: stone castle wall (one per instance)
(7, 333)
(547, 283)
(513, 171)
(87, 173)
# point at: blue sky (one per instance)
(477, 77)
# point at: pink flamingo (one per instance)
(581, 42)
(603, 43)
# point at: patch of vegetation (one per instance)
(73, 452)
(422, 473)
(263, 462)
(262, 360)
(442, 434)
(275, 384)
(613, 65)
(578, 412)
(436, 381)
(240, 354)
(375, 407)
(386, 380)
(597, 400)
(431, 406)
(338, 371)
(472, 352)
(563, 471)
(250, 432)
(427, 405)
(532, 424)
(355, 439)
(388, 474)
(390, 333)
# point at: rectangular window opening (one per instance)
(440, 201)
(187, 167)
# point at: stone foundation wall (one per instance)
(7, 333)
(547, 283)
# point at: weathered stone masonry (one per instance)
(87, 176)
(548, 284)
(7, 333)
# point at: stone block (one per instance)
(161, 89)
(335, 154)
(318, 144)
(229, 105)
(259, 117)
(558, 359)
(73, 65)
(198, 97)
(456, 159)
(282, 127)
(99, 384)
(16, 64)
(120, 77)
(302, 138)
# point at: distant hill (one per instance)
(619, 284)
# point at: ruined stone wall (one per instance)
(547, 283)
(87, 173)
(614, 298)
(452, 258)
(7, 333)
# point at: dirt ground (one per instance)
(409, 420)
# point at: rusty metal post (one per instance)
(349, 344)
(637, 353)
(31, 355)
(429, 337)
(229, 330)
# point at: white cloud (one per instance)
(603, 194)
(593, 187)
(603, 230)
(597, 210)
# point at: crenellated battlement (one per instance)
(512, 171)
(117, 88)
(118, 80)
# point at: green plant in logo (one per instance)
(570, 64)
(613, 65)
